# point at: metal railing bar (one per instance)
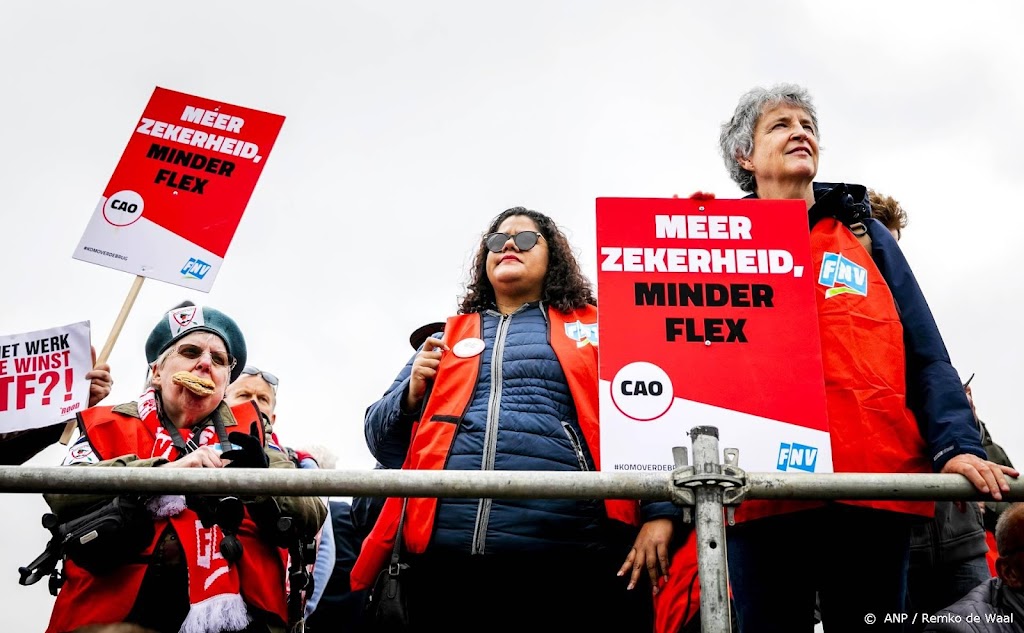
(475, 484)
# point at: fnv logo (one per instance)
(841, 276)
(195, 268)
(798, 457)
(582, 333)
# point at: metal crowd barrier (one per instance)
(710, 489)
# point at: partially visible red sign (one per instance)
(707, 317)
(194, 160)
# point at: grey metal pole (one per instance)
(715, 616)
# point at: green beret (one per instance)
(188, 318)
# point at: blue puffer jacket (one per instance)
(521, 417)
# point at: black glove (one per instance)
(250, 453)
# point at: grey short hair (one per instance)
(159, 362)
(737, 138)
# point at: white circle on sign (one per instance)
(468, 347)
(123, 208)
(642, 391)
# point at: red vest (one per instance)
(87, 599)
(678, 598)
(992, 555)
(872, 429)
(432, 435)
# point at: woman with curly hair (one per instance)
(510, 385)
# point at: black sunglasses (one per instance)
(265, 375)
(524, 240)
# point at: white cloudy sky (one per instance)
(410, 125)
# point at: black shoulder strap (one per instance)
(397, 549)
(184, 448)
(82, 433)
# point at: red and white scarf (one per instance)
(216, 603)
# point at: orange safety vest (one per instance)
(864, 360)
(433, 434)
(87, 599)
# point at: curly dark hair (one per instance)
(565, 287)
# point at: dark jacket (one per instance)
(934, 391)
(340, 609)
(951, 537)
(996, 454)
(990, 603)
(364, 513)
(955, 536)
(18, 447)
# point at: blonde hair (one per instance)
(888, 211)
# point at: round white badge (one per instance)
(468, 347)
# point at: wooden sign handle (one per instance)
(115, 331)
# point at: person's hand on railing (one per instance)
(650, 551)
(988, 477)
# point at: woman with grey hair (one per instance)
(894, 402)
(181, 563)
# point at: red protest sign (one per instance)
(707, 317)
(178, 193)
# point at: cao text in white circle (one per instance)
(642, 391)
(123, 208)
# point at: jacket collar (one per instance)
(845, 202)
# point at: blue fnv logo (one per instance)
(840, 276)
(798, 457)
(195, 268)
(582, 333)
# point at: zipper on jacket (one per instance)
(483, 512)
(577, 446)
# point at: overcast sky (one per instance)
(411, 124)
